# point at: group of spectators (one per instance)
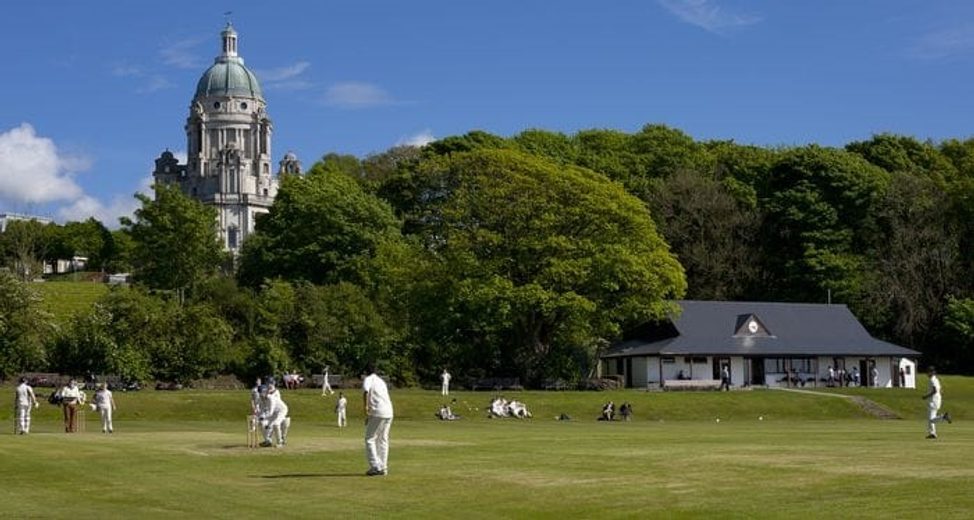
(501, 407)
(609, 411)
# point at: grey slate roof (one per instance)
(789, 329)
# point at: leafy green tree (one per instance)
(338, 325)
(817, 204)
(904, 154)
(24, 246)
(320, 229)
(338, 163)
(710, 232)
(475, 140)
(378, 168)
(543, 258)
(23, 326)
(175, 240)
(554, 146)
(121, 335)
(913, 260)
(956, 352)
(119, 258)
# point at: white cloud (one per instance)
(126, 71)
(418, 140)
(287, 77)
(354, 94)
(944, 43)
(149, 82)
(283, 73)
(154, 83)
(182, 54)
(87, 206)
(706, 14)
(33, 170)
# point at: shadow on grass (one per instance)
(313, 475)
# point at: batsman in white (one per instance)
(24, 401)
(274, 417)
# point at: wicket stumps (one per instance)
(82, 421)
(252, 438)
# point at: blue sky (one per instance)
(93, 91)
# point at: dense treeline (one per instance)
(521, 256)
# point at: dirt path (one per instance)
(869, 406)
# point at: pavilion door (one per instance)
(757, 371)
(628, 372)
(720, 362)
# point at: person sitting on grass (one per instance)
(625, 411)
(608, 412)
(446, 414)
(498, 407)
(518, 409)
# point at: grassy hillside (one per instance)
(64, 299)
(183, 454)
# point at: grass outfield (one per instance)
(184, 454)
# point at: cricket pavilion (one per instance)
(762, 344)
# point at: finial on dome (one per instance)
(229, 38)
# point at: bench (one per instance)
(46, 379)
(691, 384)
(334, 380)
(497, 383)
(556, 384)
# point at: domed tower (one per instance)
(228, 150)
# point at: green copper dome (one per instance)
(228, 76)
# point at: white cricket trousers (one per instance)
(277, 426)
(446, 389)
(377, 442)
(341, 419)
(106, 418)
(23, 418)
(933, 418)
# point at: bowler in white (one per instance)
(934, 399)
(378, 420)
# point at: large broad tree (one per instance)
(321, 228)
(913, 261)
(710, 231)
(817, 204)
(541, 259)
(174, 240)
